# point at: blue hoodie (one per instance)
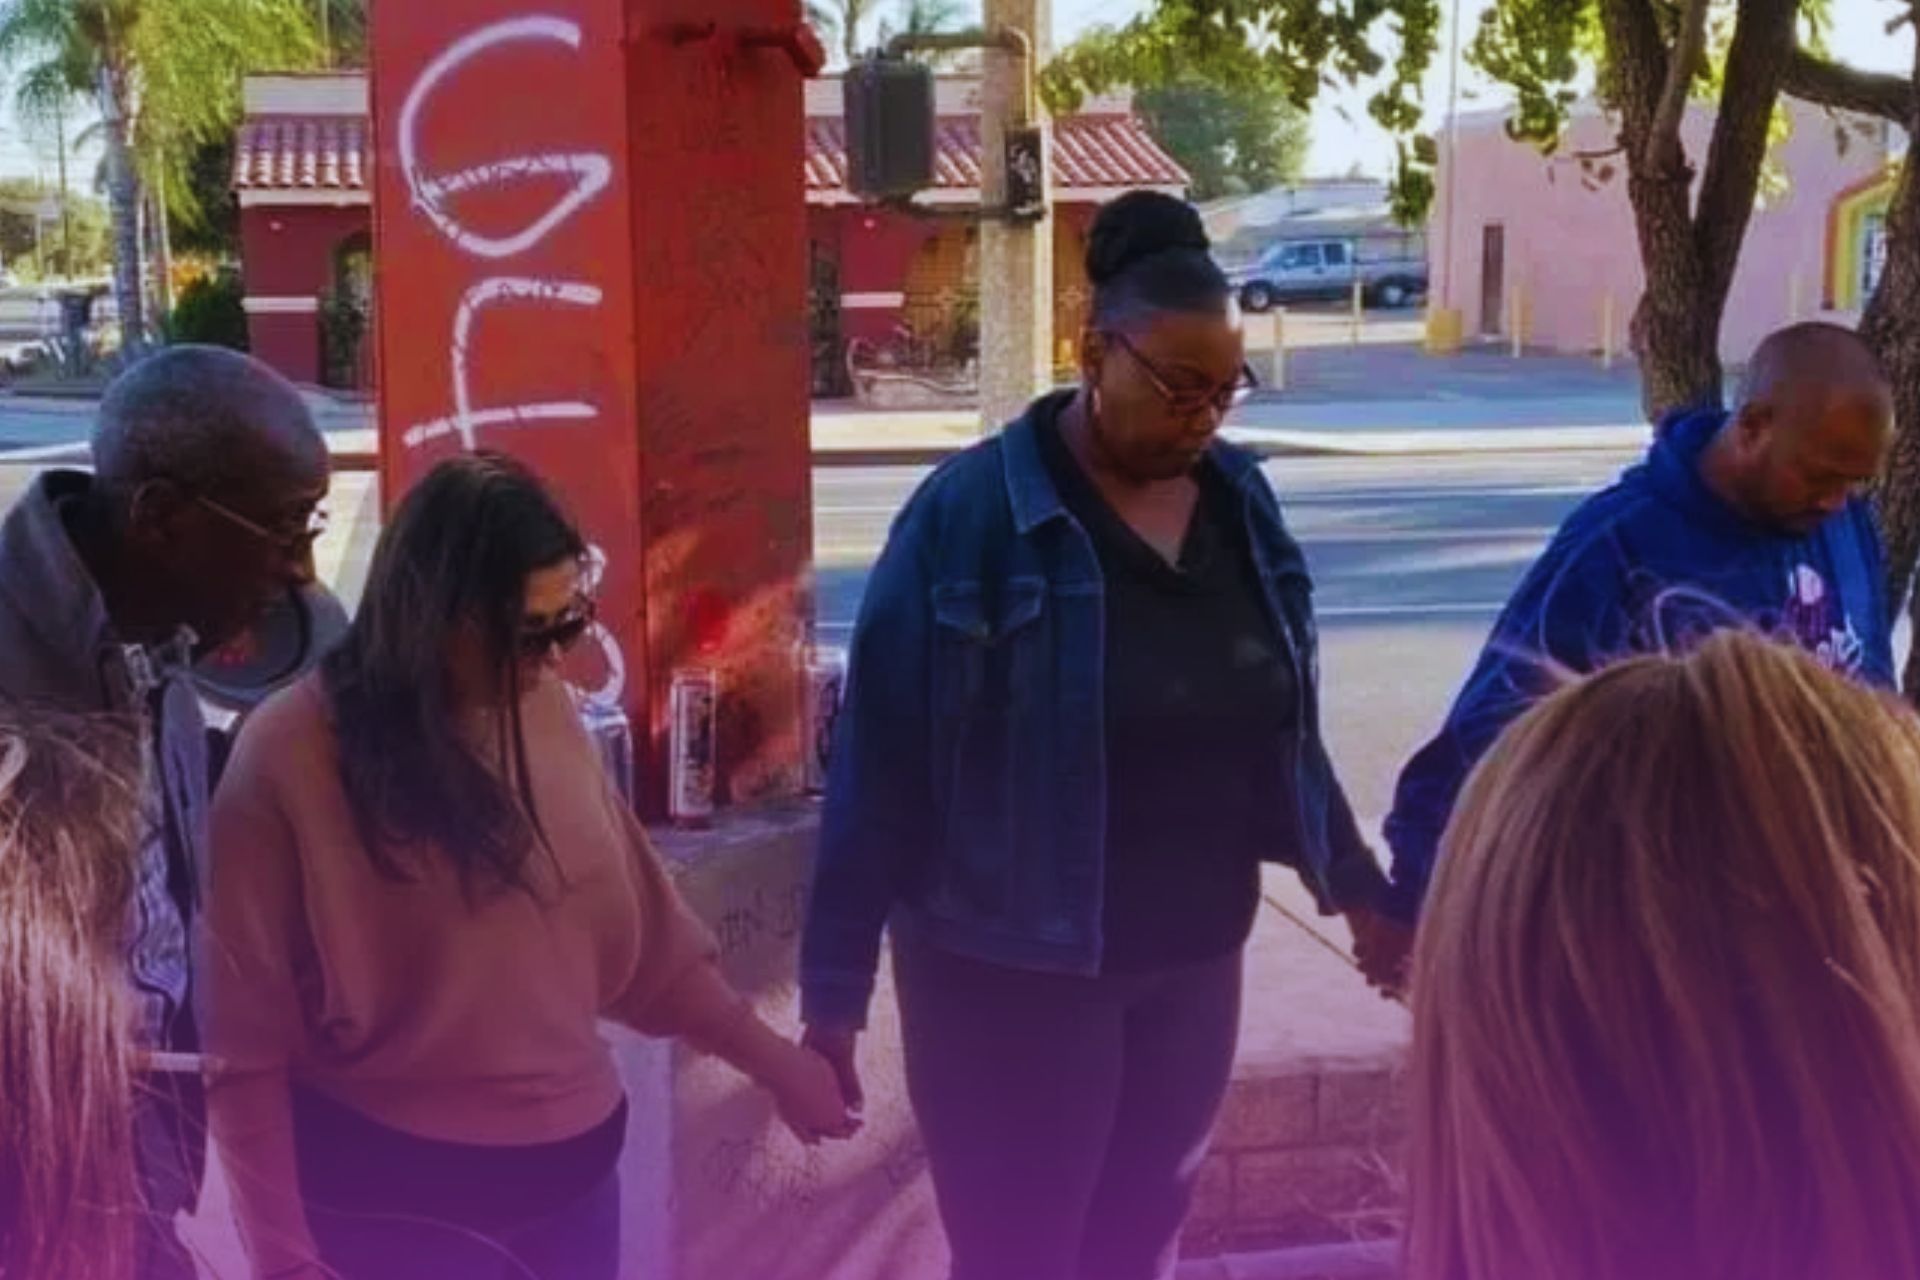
(1649, 565)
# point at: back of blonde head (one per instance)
(1667, 989)
(68, 830)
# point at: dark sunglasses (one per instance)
(1187, 404)
(562, 633)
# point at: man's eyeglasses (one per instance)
(1185, 403)
(292, 543)
(562, 632)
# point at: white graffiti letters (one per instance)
(592, 172)
(589, 175)
(494, 289)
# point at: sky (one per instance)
(1344, 136)
(26, 154)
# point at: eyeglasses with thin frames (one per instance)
(291, 544)
(1187, 404)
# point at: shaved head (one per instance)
(208, 478)
(1813, 427)
(212, 419)
(1800, 370)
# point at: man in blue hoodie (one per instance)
(1749, 519)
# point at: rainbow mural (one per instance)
(1856, 240)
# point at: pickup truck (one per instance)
(1315, 270)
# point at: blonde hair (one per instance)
(69, 809)
(1667, 989)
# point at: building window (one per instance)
(1873, 254)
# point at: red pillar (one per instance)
(591, 237)
(877, 248)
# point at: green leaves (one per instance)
(184, 61)
(1288, 48)
(1534, 47)
(1229, 139)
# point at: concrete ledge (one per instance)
(1371, 1260)
(716, 1188)
(1308, 1150)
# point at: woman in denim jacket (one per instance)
(1081, 714)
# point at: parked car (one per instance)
(1321, 269)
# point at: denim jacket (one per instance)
(966, 796)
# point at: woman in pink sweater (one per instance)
(425, 894)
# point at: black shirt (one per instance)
(1200, 698)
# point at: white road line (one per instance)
(1314, 498)
(1457, 608)
(46, 453)
(1313, 540)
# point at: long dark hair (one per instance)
(456, 553)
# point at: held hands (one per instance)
(806, 1086)
(1384, 948)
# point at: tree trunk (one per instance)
(123, 201)
(1674, 335)
(159, 229)
(1689, 247)
(1891, 326)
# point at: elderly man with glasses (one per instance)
(200, 516)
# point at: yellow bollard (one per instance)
(1515, 321)
(1257, 332)
(1279, 348)
(1359, 310)
(1445, 329)
(1606, 331)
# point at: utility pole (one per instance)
(1016, 258)
(66, 209)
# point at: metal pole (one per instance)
(66, 209)
(1016, 258)
(1452, 157)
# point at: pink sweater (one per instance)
(464, 1022)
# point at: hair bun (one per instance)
(1141, 225)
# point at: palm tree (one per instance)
(844, 21)
(927, 18)
(165, 76)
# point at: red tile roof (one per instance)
(302, 153)
(1090, 153)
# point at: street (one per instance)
(1412, 558)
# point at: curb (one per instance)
(1313, 444)
(47, 455)
(1266, 444)
(80, 455)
